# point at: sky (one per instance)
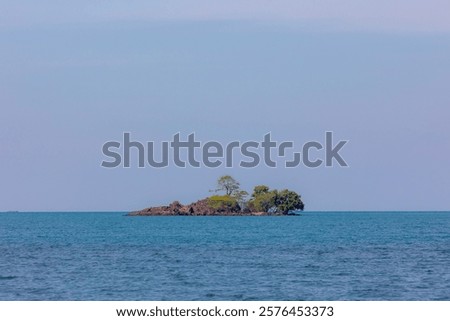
(75, 75)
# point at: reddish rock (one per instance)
(199, 208)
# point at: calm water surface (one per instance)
(317, 256)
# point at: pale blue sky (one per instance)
(77, 74)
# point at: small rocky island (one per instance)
(233, 202)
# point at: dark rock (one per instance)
(200, 208)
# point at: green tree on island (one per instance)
(234, 197)
(228, 184)
(262, 199)
(287, 201)
(281, 202)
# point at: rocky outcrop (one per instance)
(200, 208)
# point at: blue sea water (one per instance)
(316, 256)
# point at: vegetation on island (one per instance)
(230, 199)
(262, 200)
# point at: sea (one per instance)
(314, 256)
